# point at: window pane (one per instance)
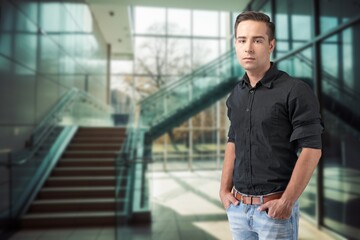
(121, 66)
(225, 24)
(206, 23)
(178, 56)
(149, 20)
(204, 52)
(179, 22)
(150, 56)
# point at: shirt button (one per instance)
(247, 109)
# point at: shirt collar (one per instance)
(266, 81)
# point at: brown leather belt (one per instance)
(256, 200)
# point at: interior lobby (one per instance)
(114, 120)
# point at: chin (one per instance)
(249, 67)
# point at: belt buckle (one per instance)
(262, 199)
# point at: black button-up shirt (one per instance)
(269, 123)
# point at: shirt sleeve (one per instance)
(305, 116)
(231, 133)
(310, 142)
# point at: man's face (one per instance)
(252, 46)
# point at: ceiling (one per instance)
(113, 18)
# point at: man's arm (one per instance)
(226, 178)
(304, 168)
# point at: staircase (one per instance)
(179, 100)
(80, 191)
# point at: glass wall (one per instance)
(46, 48)
(341, 91)
(339, 97)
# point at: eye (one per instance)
(258, 41)
(242, 41)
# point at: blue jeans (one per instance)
(248, 223)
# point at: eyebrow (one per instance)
(251, 37)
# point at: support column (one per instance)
(108, 73)
(318, 93)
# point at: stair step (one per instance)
(101, 134)
(74, 205)
(109, 162)
(101, 129)
(94, 147)
(97, 140)
(89, 154)
(103, 137)
(76, 192)
(83, 171)
(72, 219)
(83, 181)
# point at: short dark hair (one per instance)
(256, 16)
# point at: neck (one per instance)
(256, 76)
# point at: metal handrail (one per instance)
(50, 116)
(102, 105)
(45, 127)
(121, 160)
(329, 78)
(40, 132)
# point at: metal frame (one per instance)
(319, 215)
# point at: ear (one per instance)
(272, 46)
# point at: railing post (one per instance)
(9, 167)
(165, 104)
(190, 138)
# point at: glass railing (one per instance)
(132, 196)
(125, 177)
(26, 168)
(179, 94)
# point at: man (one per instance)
(272, 117)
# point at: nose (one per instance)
(249, 47)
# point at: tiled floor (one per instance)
(185, 205)
(66, 234)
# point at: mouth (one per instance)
(248, 59)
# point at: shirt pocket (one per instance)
(267, 120)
